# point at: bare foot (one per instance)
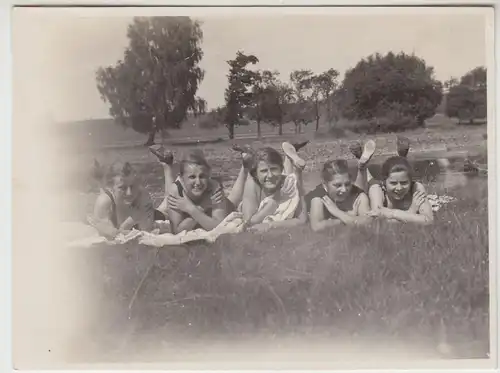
(164, 156)
(291, 153)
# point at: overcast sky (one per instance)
(56, 54)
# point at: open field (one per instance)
(103, 133)
(439, 140)
(422, 285)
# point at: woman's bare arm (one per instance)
(101, 220)
(317, 216)
(419, 213)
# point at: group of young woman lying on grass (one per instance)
(267, 193)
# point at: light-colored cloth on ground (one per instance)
(288, 201)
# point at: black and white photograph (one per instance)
(262, 188)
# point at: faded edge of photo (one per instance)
(53, 307)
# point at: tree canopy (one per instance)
(238, 94)
(154, 86)
(467, 97)
(390, 86)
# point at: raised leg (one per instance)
(236, 194)
(293, 163)
(166, 159)
(364, 155)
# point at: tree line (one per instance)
(153, 88)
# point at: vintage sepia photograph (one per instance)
(265, 188)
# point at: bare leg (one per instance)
(292, 160)
(166, 159)
(236, 193)
(293, 163)
(364, 155)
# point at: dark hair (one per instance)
(332, 168)
(396, 164)
(107, 175)
(194, 157)
(268, 155)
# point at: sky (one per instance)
(56, 53)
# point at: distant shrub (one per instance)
(337, 132)
(392, 122)
(209, 122)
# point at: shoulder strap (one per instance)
(180, 189)
(114, 216)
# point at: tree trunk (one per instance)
(317, 124)
(280, 129)
(259, 134)
(230, 128)
(151, 138)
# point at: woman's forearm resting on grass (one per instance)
(411, 216)
(207, 222)
(267, 210)
(197, 216)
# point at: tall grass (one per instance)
(384, 279)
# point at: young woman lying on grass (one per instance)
(336, 200)
(123, 204)
(397, 197)
(273, 193)
(192, 200)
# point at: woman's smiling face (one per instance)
(398, 185)
(269, 175)
(195, 179)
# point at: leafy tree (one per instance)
(154, 87)
(278, 96)
(467, 98)
(299, 110)
(327, 84)
(238, 95)
(391, 86)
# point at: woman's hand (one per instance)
(218, 197)
(380, 213)
(182, 204)
(419, 198)
(330, 205)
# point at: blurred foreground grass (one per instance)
(386, 280)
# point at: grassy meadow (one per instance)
(427, 285)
